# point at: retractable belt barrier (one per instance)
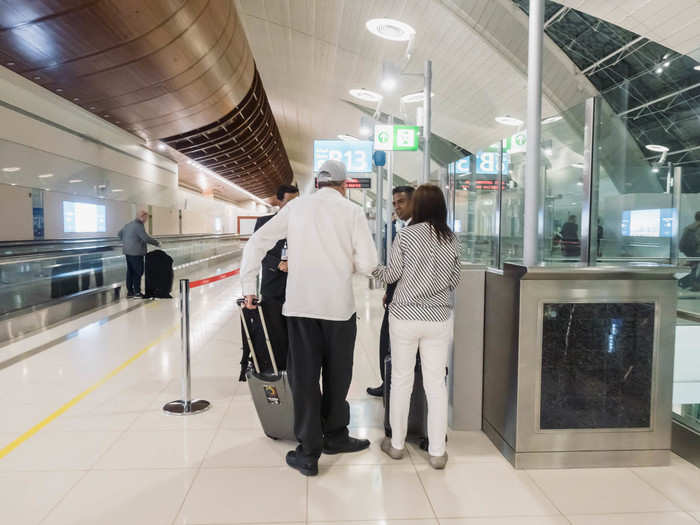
(187, 406)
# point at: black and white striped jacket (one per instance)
(427, 270)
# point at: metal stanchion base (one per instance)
(184, 408)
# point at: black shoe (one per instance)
(308, 467)
(130, 295)
(350, 444)
(376, 392)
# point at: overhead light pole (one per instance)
(427, 113)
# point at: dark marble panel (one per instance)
(596, 365)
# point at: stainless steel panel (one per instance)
(534, 294)
(467, 358)
(589, 459)
(686, 443)
(501, 314)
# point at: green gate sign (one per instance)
(396, 138)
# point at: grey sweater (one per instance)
(135, 238)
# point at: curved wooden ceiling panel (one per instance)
(158, 68)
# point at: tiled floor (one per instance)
(115, 458)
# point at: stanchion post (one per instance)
(186, 405)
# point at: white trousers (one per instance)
(432, 339)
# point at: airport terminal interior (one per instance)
(564, 137)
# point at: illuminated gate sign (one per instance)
(396, 138)
(356, 155)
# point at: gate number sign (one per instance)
(356, 155)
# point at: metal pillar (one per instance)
(499, 203)
(531, 247)
(676, 228)
(186, 405)
(427, 113)
(589, 210)
(378, 223)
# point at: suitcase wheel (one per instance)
(423, 444)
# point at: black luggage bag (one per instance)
(159, 275)
(417, 428)
(269, 385)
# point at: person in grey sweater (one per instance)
(135, 239)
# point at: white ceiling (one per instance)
(671, 23)
(311, 52)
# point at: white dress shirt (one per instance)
(328, 239)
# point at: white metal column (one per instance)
(427, 113)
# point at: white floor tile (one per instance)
(58, 450)
(367, 493)
(516, 520)
(158, 419)
(463, 447)
(104, 497)
(378, 522)
(483, 490)
(654, 518)
(599, 491)
(679, 482)
(246, 448)
(371, 456)
(158, 449)
(241, 415)
(262, 495)
(26, 497)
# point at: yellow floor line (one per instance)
(36, 428)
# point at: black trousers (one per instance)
(315, 346)
(277, 330)
(384, 344)
(134, 272)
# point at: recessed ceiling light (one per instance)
(667, 55)
(59, 90)
(548, 152)
(105, 116)
(75, 99)
(117, 190)
(11, 169)
(102, 186)
(161, 146)
(415, 97)
(657, 148)
(509, 121)
(655, 170)
(365, 131)
(37, 78)
(46, 176)
(92, 107)
(73, 181)
(579, 183)
(578, 165)
(697, 68)
(13, 184)
(348, 138)
(390, 29)
(659, 70)
(388, 84)
(366, 95)
(666, 64)
(549, 120)
(10, 64)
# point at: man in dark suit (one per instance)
(273, 283)
(401, 197)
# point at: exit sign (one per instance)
(396, 138)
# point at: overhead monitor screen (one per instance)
(657, 222)
(83, 217)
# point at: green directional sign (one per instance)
(396, 138)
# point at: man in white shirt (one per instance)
(328, 240)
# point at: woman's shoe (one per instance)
(389, 450)
(438, 462)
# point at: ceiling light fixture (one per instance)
(548, 152)
(47, 189)
(13, 184)
(656, 148)
(161, 146)
(549, 120)
(117, 190)
(697, 68)
(390, 29)
(579, 183)
(578, 165)
(655, 170)
(73, 181)
(659, 70)
(415, 97)
(388, 84)
(46, 176)
(507, 120)
(348, 138)
(666, 64)
(366, 95)
(11, 169)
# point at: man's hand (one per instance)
(384, 301)
(251, 302)
(283, 266)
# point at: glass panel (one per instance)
(513, 199)
(562, 159)
(596, 365)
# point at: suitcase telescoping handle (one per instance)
(241, 305)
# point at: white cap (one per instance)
(332, 170)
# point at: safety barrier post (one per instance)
(186, 405)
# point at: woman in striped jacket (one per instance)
(425, 263)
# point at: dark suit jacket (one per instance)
(273, 282)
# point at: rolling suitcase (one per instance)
(417, 428)
(270, 389)
(159, 275)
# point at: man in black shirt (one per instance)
(273, 284)
(401, 197)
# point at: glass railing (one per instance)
(686, 374)
(69, 267)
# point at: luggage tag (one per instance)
(271, 394)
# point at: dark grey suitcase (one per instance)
(271, 392)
